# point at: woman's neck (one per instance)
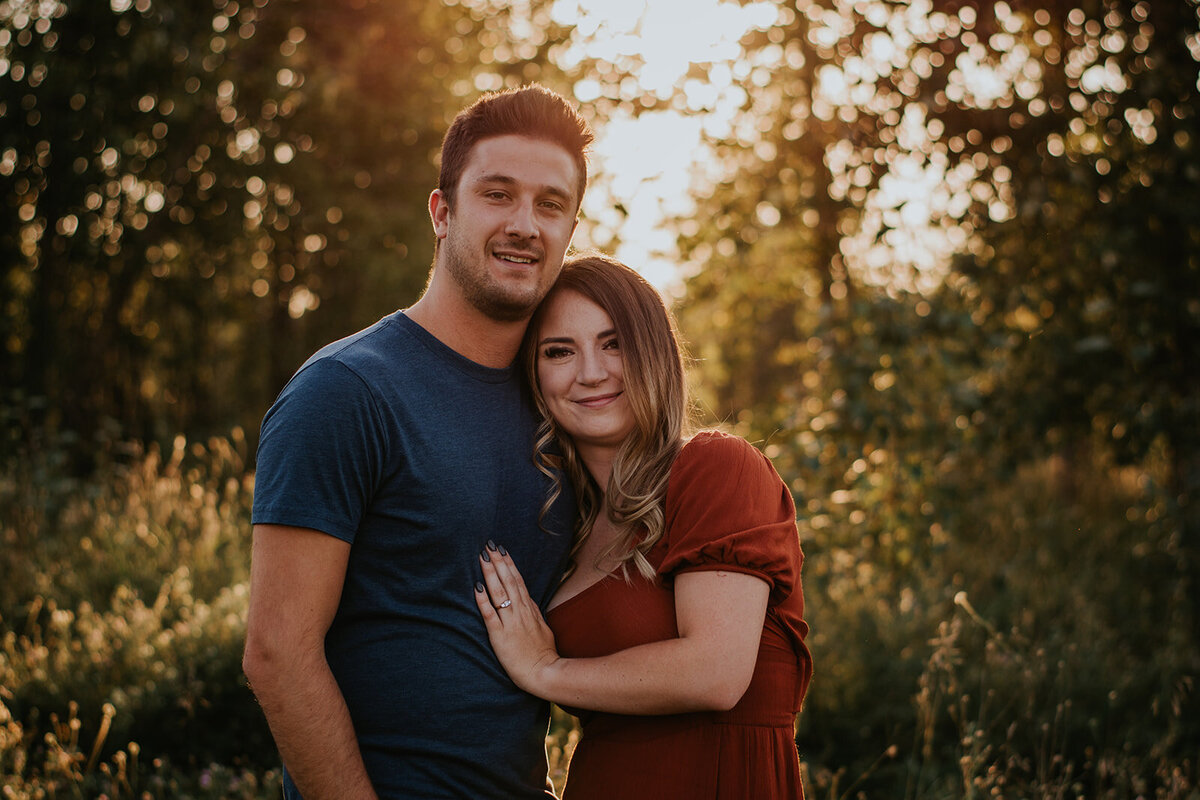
(598, 462)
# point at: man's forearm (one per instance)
(311, 725)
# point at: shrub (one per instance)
(1027, 642)
(126, 605)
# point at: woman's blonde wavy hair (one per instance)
(655, 387)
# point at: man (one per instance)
(388, 462)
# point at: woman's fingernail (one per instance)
(485, 555)
(503, 552)
(479, 586)
(491, 545)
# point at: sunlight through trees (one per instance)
(939, 259)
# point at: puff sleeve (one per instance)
(727, 509)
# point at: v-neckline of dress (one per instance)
(580, 593)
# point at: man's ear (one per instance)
(439, 213)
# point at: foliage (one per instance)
(1015, 650)
(198, 195)
(122, 619)
(943, 670)
(71, 769)
(1064, 142)
(1014, 426)
(124, 606)
(991, 436)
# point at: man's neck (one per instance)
(466, 330)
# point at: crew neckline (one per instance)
(443, 351)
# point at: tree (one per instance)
(113, 154)
(1052, 146)
(199, 195)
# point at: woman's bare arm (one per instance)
(720, 619)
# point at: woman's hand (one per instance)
(707, 668)
(519, 635)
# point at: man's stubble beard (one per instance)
(484, 293)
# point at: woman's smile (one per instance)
(581, 373)
(598, 401)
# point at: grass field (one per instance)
(1042, 650)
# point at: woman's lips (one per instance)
(599, 401)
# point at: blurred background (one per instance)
(939, 259)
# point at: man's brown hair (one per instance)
(532, 111)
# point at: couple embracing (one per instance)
(492, 499)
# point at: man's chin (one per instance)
(506, 308)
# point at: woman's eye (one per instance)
(612, 344)
(556, 352)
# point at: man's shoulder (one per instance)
(397, 363)
(367, 347)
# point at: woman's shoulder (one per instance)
(715, 445)
(727, 508)
(715, 456)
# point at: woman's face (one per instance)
(581, 374)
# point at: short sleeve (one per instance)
(727, 509)
(319, 452)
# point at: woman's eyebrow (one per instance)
(568, 340)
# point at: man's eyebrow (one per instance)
(555, 191)
(508, 180)
(497, 177)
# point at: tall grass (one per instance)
(1027, 647)
(1041, 645)
(122, 617)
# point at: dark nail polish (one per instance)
(479, 586)
(491, 545)
(485, 555)
(503, 552)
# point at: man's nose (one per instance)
(521, 223)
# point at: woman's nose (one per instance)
(591, 369)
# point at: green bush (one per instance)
(68, 769)
(124, 606)
(975, 632)
(1038, 643)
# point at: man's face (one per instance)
(513, 217)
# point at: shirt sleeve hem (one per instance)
(714, 566)
(297, 520)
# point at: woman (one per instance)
(679, 626)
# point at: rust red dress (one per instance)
(726, 509)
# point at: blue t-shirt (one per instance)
(392, 441)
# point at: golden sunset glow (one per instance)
(645, 164)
